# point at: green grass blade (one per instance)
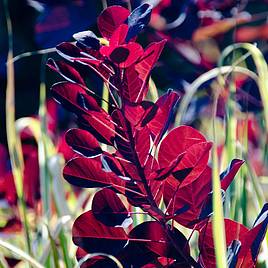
(14, 145)
(212, 74)
(153, 90)
(262, 71)
(218, 217)
(21, 254)
(54, 250)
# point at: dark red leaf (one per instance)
(228, 175)
(88, 173)
(131, 88)
(31, 178)
(68, 51)
(232, 253)
(108, 208)
(193, 163)
(233, 231)
(100, 125)
(119, 36)
(176, 142)
(66, 71)
(124, 142)
(74, 98)
(110, 19)
(148, 60)
(8, 188)
(136, 112)
(83, 142)
(186, 203)
(152, 240)
(93, 236)
(12, 262)
(142, 145)
(123, 55)
(157, 173)
(186, 140)
(161, 120)
(252, 240)
(136, 197)
(111, 163)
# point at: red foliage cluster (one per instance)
(145, 163)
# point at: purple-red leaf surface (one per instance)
(148, 60)
(110, 19)
(250, 240)
(89, 173)
(228, 175)
(74, 98)
(83, 142)
(184, 204)
(93, 236)
(108, 208)
(150, 240)
(66, 71)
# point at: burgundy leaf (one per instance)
(233, 231)
(148, 60)
(68, 51)
(123, 55)
(142, 145)
(88, 173)
(8, 188)
(152, 240)
(94, 262)
(185, 203)
(12, 262)
(110, 19)
(193, 163)
(232, 253)
(74, 98)
(93, 236)
(177, 141)
(119, 36)
(83, 142)
(100, 125)
(124, 145)
(103, 69)
(108, 208)
(66, 71)
(157, 173)
(136, 197)
(252, 240)
(165, 110)
(31, 181)
(134, 112)
(110, 163)
(186, 140)
(228, 175)
(132, 86)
